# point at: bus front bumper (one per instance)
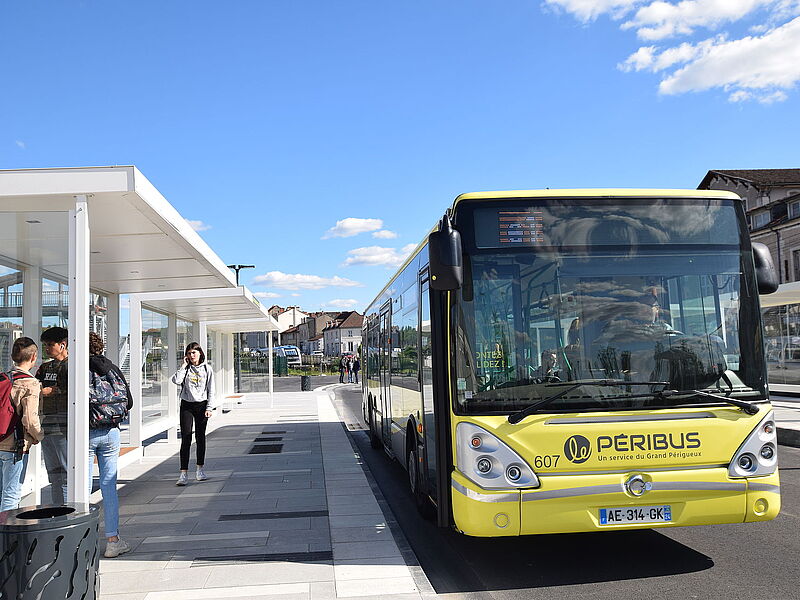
(573, 503)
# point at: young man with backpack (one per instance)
(53, 376)
(19, 420)
(109, 402)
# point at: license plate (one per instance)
(636, 514)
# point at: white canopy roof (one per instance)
(224, 310)
(139, 242)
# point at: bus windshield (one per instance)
(655, 295)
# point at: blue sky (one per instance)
(266, 123)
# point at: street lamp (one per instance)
(236, 269)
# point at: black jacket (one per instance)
(100, 365)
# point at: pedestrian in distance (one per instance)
(356, 368)
(110, 401)
(342, 368)
(53, 410)
(349, 369)
(19, 405)
(196, 381)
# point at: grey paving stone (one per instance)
(270, 573)
(364, 550)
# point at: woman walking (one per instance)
(196, 381)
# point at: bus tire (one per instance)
(424, 506)
(374, 440)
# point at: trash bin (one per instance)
(305, 383)
(49, 552)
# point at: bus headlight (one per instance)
(757, 456)
(490, 463)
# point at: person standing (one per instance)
(356, 368)
(110, 400)
(342, 368)
(53, 377)
(349, 369)
(196, 381)
(26, 429)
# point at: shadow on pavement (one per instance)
(457, 563)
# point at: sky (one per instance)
(321, 141)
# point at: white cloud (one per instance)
(766, 66)
(378, 255)
(287, 281)
(20, 144)
(352, 226)
(589, 10)
(267, 295)
(198, 225)
(659, 19)
(341, 303)
(384, 234)
(762, 67)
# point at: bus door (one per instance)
(426, 385)
(385, 366)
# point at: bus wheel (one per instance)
(374, 440)
(424, 506)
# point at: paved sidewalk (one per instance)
(297, 519)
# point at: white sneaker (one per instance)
(200, 475)
(183, 479)
(114, 549)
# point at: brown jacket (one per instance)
(25, 400)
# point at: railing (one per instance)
(50, 299)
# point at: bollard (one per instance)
(305, 383)
(49, 552)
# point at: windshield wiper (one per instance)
(748, 407)
(516, 417)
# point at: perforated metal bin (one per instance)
(49, 552)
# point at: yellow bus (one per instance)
(578, 360)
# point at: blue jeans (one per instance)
(54, 451)
(11, 477)
(104, 443)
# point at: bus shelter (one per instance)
(74, 243)
(161, 325)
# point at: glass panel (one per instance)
(35, 244)
(581, 309)
(782, 341)
(11, 293)
(55, 303)
(155, 391)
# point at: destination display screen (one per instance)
(520, 227)
(605, 222)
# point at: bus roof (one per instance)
(596, 193)
(563, 193)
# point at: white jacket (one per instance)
(196, 384)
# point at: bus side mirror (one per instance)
(766, 276)
(444, 255)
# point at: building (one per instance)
(343, 333)
(772, 204)
(310, 330)
(287, 319)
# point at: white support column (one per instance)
(172, 366)
(112, 329)
(32, 328)
(202, 335)
(135, 383)
(78, 473)
(269, 362)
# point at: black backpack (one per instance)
(108, 399)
